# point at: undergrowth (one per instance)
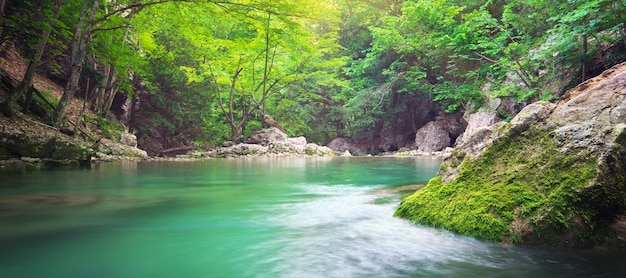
(110, 129)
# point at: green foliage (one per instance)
(327, 68)
(452, 96)
(27, 21)
(247, 60)
(110, 129)
(44, 103)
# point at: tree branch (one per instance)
(111, 28)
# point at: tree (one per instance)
(2, 5)
(10, 106)
(264, 51)
(83, 35)
(77, 56)
(576, 23)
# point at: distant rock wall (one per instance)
(554, 175)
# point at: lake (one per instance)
(265, 217)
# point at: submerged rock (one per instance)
(554, 175)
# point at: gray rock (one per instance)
(267, 136)
(432, 137)
(563, 165)
(476, 121)
(150, 144)
(128, 139)
(297, 141)
(531, 114)
(273, 142)
(109, 150)
(342, 144)
(45, 146)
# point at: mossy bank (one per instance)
(554, 175)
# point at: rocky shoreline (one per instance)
(26, 149)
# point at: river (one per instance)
(280, 217)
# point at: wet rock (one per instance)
(553, 175)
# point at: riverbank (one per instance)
(26, 143)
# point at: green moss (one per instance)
(247, 152)
(310, 151)
(49, 98)
(110, 129)
(71, 152)
(524, 177)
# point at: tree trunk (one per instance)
(79, 44)
(110, 97)
(10, 106)
(583, 67)
(2, 3)
(234, 133)
(101, 93)
(82, 110)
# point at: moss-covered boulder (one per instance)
(555, 174)
(56, 148)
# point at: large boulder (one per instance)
(475, 122)
(150, 144)
(109, 150)
(267, 136)
(553, 175)
(50, 147)
(432, 137)
(440, 133)
(344, 144)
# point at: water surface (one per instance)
(283, 217)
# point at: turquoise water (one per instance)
(282, 217)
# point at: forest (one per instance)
(207, 71)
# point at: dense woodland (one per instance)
(209, 71)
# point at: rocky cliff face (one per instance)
(555, 174)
